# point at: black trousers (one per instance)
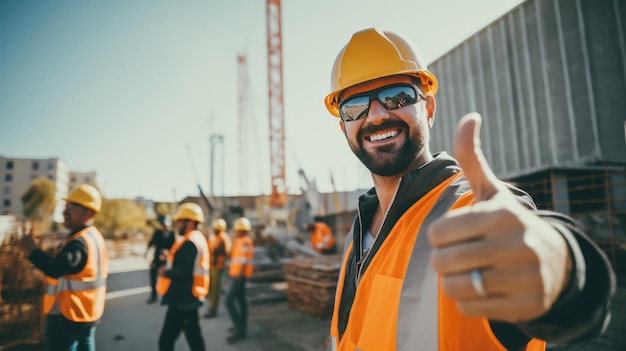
(237, 305)
(154, 271)
(177, 320)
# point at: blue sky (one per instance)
(133, 89)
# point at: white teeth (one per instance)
(383, 136)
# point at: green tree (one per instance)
(120, 218)
(39, 202)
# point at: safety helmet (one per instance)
(87, 196)
(219, 224)
(375, 53)
(242, 223)
(190, 211)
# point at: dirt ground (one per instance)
(281, 328)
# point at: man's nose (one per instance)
(376, 113)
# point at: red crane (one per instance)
(278, 196)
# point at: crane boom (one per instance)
(278, 196)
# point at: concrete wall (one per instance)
(549, 79)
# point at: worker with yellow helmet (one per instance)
(219, 247)
(75, 275)
(442, 255)
(184, 280)
(239, 270)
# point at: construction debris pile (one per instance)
(21, 288)
(311, 283)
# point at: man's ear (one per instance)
(431, 106)
(342, 126)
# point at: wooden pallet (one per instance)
(311, 283)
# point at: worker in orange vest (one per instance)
(184, 280)
(162, 240)
(239, 270)
(321, 237)
(75, 276)
(219, 247)
(442, 255)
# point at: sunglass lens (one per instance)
(397, 97)
(354, 108)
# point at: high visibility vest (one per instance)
(80, 297)
(322, 237)
(200, 287)
(241, 257)
(398, 304)
(219, 261)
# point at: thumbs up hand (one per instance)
(497, 244)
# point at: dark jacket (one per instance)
(580, 313)
(179, 293)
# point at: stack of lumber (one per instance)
(21, 290)
(311, 283)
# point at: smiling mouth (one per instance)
(382, 136)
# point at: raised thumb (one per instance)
(469, 154)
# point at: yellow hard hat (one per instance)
(242, 223)
(219, 224)
(190, 211)
(86, 196)
(375, 53)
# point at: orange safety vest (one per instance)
(219, 261)
(322, 237)
(396, 310)
(241, 257)
(200, 287)
(80, 297)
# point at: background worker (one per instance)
(184, 280)
(240, 269)
(442, 255)
(162, 240)
(219, 247)
(321, 237)
(75, 276)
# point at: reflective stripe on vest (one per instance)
(200, 287)
(80, 297)
(398, 304)
(241, 257)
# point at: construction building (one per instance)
(549, 79)
(16, 175)
(78, 178)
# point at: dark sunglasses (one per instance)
(390, 96)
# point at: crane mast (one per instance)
(242, 68)
(278, 196)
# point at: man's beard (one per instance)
(182, 230)
(388, 160)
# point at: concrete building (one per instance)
(16, 175)
(549, 79)
(78, 178)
